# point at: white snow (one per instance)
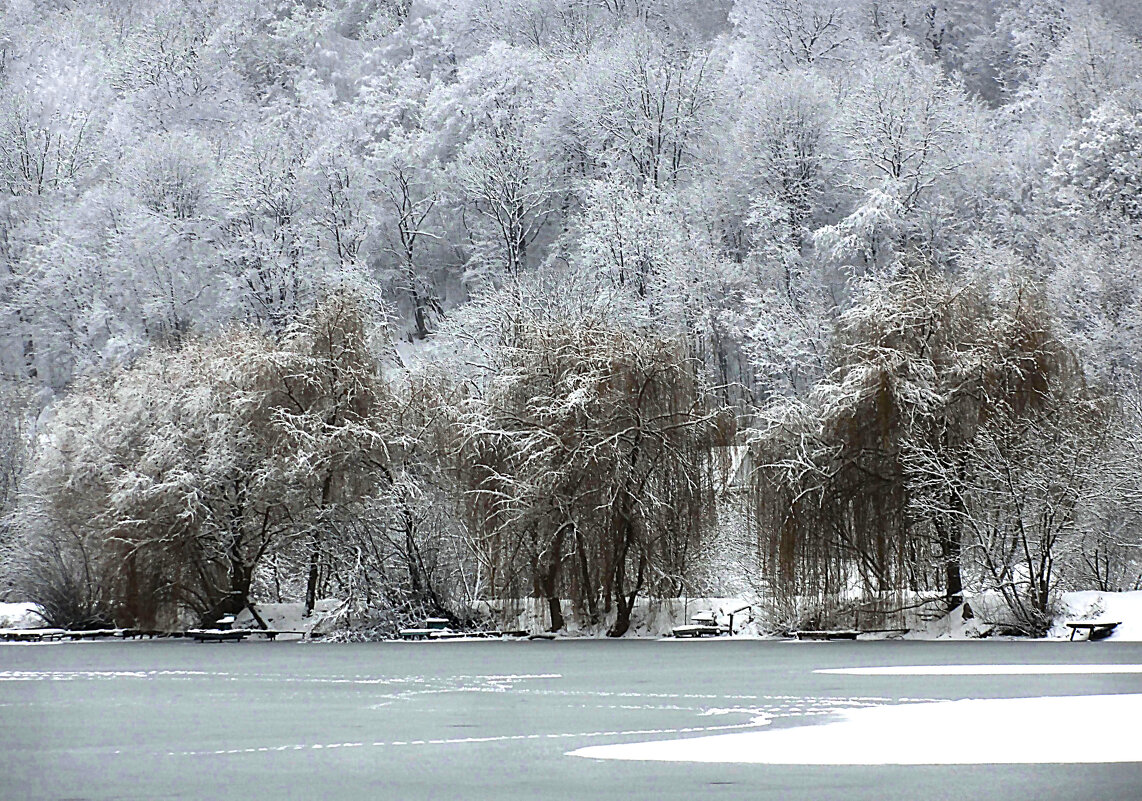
(20, 616)
(1069, 729)
(655, 617)
(292, 617)
(982, 670)
(1124, 608)
(951, 626)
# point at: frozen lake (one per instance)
(475, 720)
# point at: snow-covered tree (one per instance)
(587, 458)
(905, 128)
(176, 477)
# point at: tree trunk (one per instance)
(547, 579)
(587, 586)
(624, 601)
(311, 582)
(951, 549)
(622, 619)
(547, 587)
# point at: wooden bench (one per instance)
(1095, 629)
(415, 634)
(272, 634)
(30, 635)
(218, 635)
(697, 630)
(93, 634)
(813, 634)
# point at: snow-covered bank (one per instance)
(292, 616)
(1071, 729)
(655, 618)
(988, 616)
(651, 617)
(1124, 608)
(20, 616)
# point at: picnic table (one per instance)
(701, 624)
(1095, 629)
(272, 634)
(437, 628)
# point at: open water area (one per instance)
(496, 720)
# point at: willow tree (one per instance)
(587, 461)
(924, 371)
(1025, 493)
(176, 477)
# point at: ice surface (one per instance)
(492, 720)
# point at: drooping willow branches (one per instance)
(588, 464)
(889, 477)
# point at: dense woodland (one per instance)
(420, 303)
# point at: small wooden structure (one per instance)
(435, 628)
(237, 635)
(702, 624)
(415, 634)
(31, 635)
(218, 635)
(95, 634)
(1095, 629)
(844, 634)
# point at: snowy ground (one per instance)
(20, 616)
(658, 617)
(1124, 608)
(496, 720)
(292, 616)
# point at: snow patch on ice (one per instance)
(982, 670)
(497, 738)
(1070, 729)
(77, 675)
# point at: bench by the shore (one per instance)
(448, 634)
(31, 635)
(237, 635)
(702, 624)
(697, 630)
(1095, 629)
(814, 634)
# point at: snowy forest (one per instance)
(419, 304)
